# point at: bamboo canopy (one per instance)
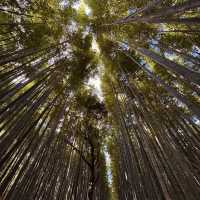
(99, 100)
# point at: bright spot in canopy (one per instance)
(82, 6)
(95, 84)
(95, 45)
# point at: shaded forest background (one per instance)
(99, 99)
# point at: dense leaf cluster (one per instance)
(59, 140)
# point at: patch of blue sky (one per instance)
(196, 120)
(131, 11)
(64, 3)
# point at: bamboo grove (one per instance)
(56, 132)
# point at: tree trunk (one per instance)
(160, 16)
(193, 77)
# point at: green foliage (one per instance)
(47, 57)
